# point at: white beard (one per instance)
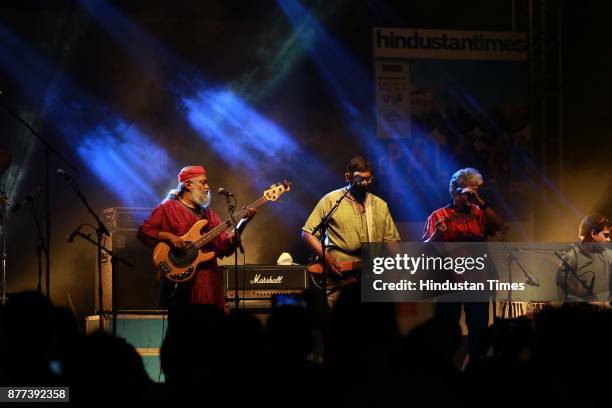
(200, 197)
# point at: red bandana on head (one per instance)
(190, 172)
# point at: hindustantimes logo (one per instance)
(416, 40)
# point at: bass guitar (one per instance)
(179, 265)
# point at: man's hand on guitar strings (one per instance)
(333, 264)
(249, 215)
(174, 241)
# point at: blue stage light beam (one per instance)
(349, 83)
(243, 138)
(247, 139)
(472, 105)
(12, 179)
(279, 54)
(113, 149)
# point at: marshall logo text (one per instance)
(258, 279)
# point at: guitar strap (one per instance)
(369, 218)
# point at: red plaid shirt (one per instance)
(468, 226)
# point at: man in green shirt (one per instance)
(361, 217)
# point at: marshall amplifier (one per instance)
(258, 283)
(265, 277)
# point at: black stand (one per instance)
(114, 258)
(48, 150)
(3, 210)
(231, 208)
(100, 231)
(322, 226)
(41, 246)
(529, 280)
(567, 269)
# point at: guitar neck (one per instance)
(225, 225)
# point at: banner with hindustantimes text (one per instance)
(412, 43)
(480, 272)
(445, 100)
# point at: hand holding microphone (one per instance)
(471, 195)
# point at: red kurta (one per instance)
(174, 217)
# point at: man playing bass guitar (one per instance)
(183, 207)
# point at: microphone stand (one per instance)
(322, 226)
(504, 238)
(509, 298)
(48, 150)
(3, 209)
(529, 280)
(41, 245)
(114, 258)
(231, 207)
(100, 231)
(568, 269)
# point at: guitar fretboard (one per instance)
(214, 233)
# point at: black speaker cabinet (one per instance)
(136, 288)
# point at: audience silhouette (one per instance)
(355, 355)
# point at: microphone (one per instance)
(28, 198)
(532, 282)
(358, 181)
(222, 191)
(61, 172)
(468, 194)
(74, 234)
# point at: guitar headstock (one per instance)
(276, 190)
